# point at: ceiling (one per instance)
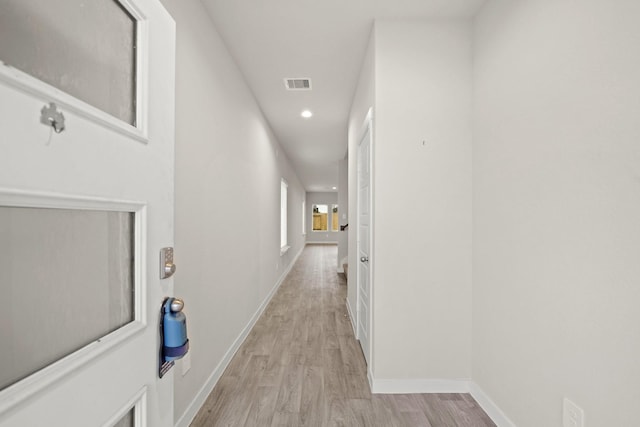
(324, 40)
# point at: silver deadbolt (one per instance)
(167, 267)
(364, 259)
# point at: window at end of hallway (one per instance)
(304, 229)
(335, 226)
(284, 247)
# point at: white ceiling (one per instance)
(324, 40)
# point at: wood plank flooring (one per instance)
(302, 366)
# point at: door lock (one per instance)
(364, 259)
(167, 267)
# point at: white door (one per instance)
(84, 210)
(364, 242)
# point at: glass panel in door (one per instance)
(66, 280)
(84, 48)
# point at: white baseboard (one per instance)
(192, 410)
(321, 242)
(352, 319)
(408, 386)
(386, 386)
(485, 402)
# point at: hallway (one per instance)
(301, 366)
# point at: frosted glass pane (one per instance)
(84, 48)
(127, 420)
(66, 279)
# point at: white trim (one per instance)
(367, 127)
(367, 122)
(352, 319)
(45, 377)
(411, 385)
(35, 383)
(37, 199)
(139, 401)
(142, 66)
(284, 250)
(197, 402)
(489, 406)
(140, 265)
(320, 242)
(29, 85)
(284, 216)
(304, 217)
(141, 411)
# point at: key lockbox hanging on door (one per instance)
(174, 343)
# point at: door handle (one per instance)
(169, 269)
(364, 259)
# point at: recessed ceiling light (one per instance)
(335, 188)
(306, 114)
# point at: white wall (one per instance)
(556, 172)
(343, 202)
(555, 198)
(321, 198)
(228, 171)
(422, 201)
(422, 197)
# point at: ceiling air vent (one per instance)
(298, 84)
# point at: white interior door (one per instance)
(84, 212)
(364, 242)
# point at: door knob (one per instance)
(364, 259)
(169, 269)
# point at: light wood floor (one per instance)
(302, 366)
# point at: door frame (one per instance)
(367, 126)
